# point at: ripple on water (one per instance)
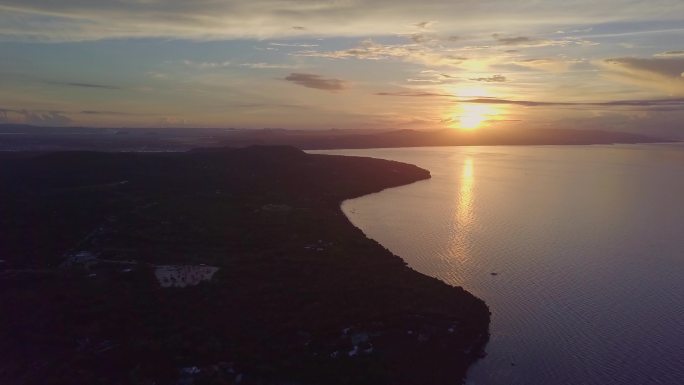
(586, 243)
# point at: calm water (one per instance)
(587, 243)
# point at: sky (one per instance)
(305, 64)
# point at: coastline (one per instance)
(529, 330)
(301, 294)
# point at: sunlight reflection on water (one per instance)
(586, 242)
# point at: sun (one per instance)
(473, 115)
(470, 116)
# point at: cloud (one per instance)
(414, 53)
(424, 24)
(368, 50)
(413, 94)
(44, 118)
(157, 75)
(262, 65)
(662, 104)
(209, 65)
(664, 74)
(173, 121)
(491, 79)
(316, 81)
(83, 85)
(431, 38)
(517, 40)
(206, 64)
(54, 118)
(78, 20)
(424, 80)
(674, 102)
(111, 113)
(433, 77)
(422, 38)
(668, 54)
(580, 30)
(270, 106)
(293, 45)
(548, 64)
(528, 42)
(665, 67)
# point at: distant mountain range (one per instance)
(15, 137)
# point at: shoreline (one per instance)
(392, 218)
(301, 294)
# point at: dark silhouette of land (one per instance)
(301, 296)
(150, 263)
(31, 138)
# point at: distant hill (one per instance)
(445, 137)
(33, 138)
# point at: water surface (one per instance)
(586, 244)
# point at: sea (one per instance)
(577, 250)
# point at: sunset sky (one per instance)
(613, 64)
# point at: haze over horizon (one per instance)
(613, 65)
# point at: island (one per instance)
(216, 266)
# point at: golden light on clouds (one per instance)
(249, 64)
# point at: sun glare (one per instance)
(470, 116)
(473, 115)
